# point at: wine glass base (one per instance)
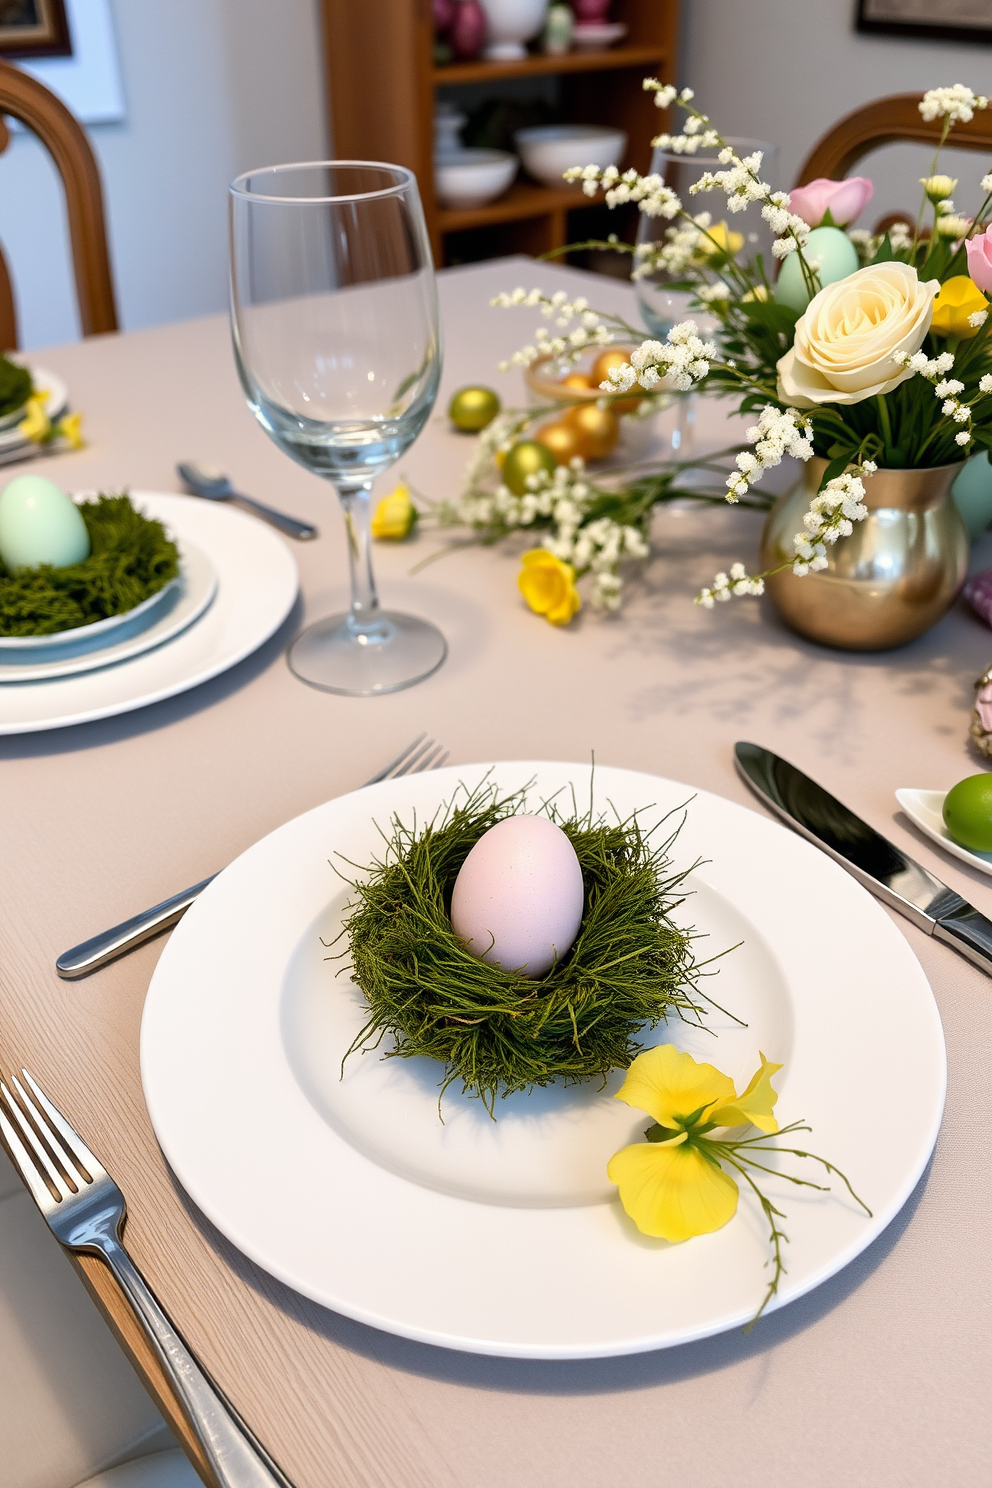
(336, 656)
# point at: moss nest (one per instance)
(131, 558)
(499, 1032)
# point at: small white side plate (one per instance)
(926, 809)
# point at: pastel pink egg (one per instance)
(518, 898)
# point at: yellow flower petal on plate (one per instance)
(672, 1087)
(548, 586)
(754, 1106)
(671, 1191)
(35, 425)
(71, 429)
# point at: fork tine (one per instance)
(385, 773)
(439, 762)
(39, 1159)
(24, 1163)
(413, 763)
(81, 1157)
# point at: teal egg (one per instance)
(39, 524)
(972, 492)
(837, 256)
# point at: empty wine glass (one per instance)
(336, 337)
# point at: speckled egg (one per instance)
(518, 898)
(40, 524)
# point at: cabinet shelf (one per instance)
(541, 66)
(383, 88)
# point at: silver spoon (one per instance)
(204, 480)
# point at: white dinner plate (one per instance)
(156, 620)
(926, 809)
(56, 400)
(256, 585)
(505, 1237)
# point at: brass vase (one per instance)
(900, 570)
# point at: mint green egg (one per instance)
(972, 492)
(837, 256)
(40, 524)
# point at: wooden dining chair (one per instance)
(26, 99)
(887, 121)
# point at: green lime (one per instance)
(524, 459)
(472, 408)
(968, 813)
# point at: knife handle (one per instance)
(969, 933)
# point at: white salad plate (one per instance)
(256, 585)
(156, 620)
(926, 809)
(56, 401)
(505, 1237)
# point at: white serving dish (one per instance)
(597, 38)
(926, 809)
(548, 150)
(471, 178)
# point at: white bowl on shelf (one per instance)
(471, 178)
(548, 150)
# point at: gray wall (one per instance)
(785, 70)
(213, 87)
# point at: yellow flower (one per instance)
(35, 425)
(70, 428)
(672, 1185)
(720, 239)
(958, 299)
(395, 516)
(548, 586)
(759, 293)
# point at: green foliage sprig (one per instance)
(499, 1032)
(15, 386)
(131, 558)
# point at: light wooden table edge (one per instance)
(116, 1311)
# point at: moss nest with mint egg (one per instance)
(103, 558)
(500, 1031)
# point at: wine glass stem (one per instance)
(357, 519)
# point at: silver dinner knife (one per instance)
(894, 877)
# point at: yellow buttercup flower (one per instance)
(394, 517)
(548, 586)
(958, 299)
(35, 425)
(672, 1185)
(70, 428)
(720, 239)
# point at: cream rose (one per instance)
(848, 332)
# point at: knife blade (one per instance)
(889, 873)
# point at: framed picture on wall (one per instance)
(947, 20)
(34, 28)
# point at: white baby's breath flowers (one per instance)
(935, 370)
(831, 516)
(977, 319)
(956, 104)
(777, 433)
(900, 237)
(985, 383)
(681, 361)
(652, 196)
(564, 350)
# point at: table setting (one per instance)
(589, 1015)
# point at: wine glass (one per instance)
(336, 337)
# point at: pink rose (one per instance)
(979, 251)
(844, 200)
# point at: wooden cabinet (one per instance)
(383, 86)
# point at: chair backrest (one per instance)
(46, 116)
(887, 121)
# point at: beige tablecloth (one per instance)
(882, 1375)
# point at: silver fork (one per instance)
(89, 955)
(86, 1212)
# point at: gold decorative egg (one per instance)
(562, 439)
(525, 459)
(577, 381)
(472, 408)
(598, 429)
